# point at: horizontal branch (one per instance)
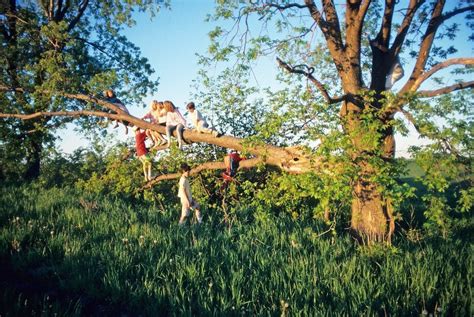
(219, 165)
(75, 114)
(316, 82)
(286, 6)
(445, 90)
(82, 97)
(449, 62)
(291, 160)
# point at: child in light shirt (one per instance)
(187, 201)
(198, 121)
(174, 121)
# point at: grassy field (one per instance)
(64, 255)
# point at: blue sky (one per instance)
(171, 40)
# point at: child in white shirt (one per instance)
(198, 121)
(184, 193)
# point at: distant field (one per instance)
(65, 254)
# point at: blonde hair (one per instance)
(160, 105)
(154, 105)
(169, 106)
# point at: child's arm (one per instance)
(180, 117)
(148, 116)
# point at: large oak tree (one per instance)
(360, 43)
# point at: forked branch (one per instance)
(309, 75)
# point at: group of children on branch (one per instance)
(167, 115)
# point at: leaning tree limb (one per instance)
(289, 159)
(218, 165)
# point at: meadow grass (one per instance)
(65, 254)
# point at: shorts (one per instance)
(145, 158)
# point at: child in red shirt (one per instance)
(142, 152)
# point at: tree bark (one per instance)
(371, 212)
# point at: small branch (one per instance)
(439, 66)
(284, 7)
(410, 118)
(219, 165)
(445, 90)
(310, 76)
(451, 14)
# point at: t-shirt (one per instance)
(119, 104)
(196, 117)
(162, 116)
(184, 190)
(140, 143)
(174, 118)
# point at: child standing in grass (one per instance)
(198, 121)
(142, 152)
(184, 193)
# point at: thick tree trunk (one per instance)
(371, 212)
(372, 219)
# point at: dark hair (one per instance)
(190, 105)
(185, 167)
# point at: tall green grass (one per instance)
(64, 254)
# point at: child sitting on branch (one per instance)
(174, 121)
(156, 116)
(198, 121)
(110, 96)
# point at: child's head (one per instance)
(160, 105)
(136, 129)
(185, 168)
(154, 105)
(191, 106)
(169, 106)
(109, 93)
